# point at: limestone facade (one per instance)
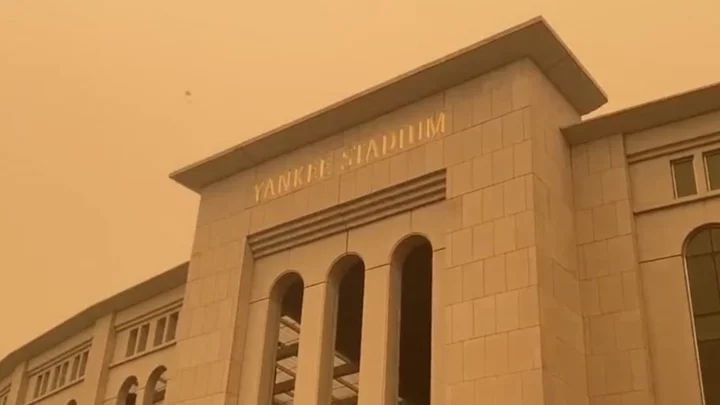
(458, 235)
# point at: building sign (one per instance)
(377, 147)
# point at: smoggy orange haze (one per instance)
(94, 112)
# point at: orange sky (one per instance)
(93, 111)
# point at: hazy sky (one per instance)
(94, 116)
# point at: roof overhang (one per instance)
(534, 40)
(163, 282)
(655, 113)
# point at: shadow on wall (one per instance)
(154, 389)
(410, 296)
(702, 261)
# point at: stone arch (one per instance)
(405, 245)
(701, 254)
(282, 338)
(342, 265)
(412, 287)
(346, 294)
(155, 389)
(72, 402)
(127, 394)
(283, 281)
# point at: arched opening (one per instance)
(155, 388)
(72, 402)
(284, 322)
(702, 259)
(413, 259)
(128, 392)
(347, 278)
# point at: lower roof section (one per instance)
(652, 114)
(163, 282)
(534, 40)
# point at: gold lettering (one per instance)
(401, 137)
(372, 151)
(346, 160)
(269, 189)
(435, 127)
(388, 146)
(411, 139)
(311, 172)
(258, 189)
(297, 177)
(325, 168)
(284, 182)
(343, 159)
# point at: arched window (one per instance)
(128, 392)
(702, 258)
(155, 388)
(284, 335)
(348, 285)
(413, 260)
(72, 402)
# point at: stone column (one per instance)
(488, 283)
(379, 351)
(253, 386)
(18, 385)
(212, 325)
(315, 357)
(617, 349)
(98, 361)
(437, 392)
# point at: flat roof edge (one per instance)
(655, 113)
(158, 284)
(533, 39)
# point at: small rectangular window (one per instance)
(55, 378)
(46, 380)
(132, 342)
(712, 167)
(38, 384)
(142, 341)
(63, 373)
(83, 364)
(160, 332)
(74, 370)
(172, 327)
(684, 177)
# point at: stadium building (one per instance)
(457, 235)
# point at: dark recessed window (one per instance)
(143, 338)
(702, 260)
(132, 342)
(159, 332)
(712, 167)
(83, 364)
(63, 373)
(172, 327)
(683, 177)
(75, 367)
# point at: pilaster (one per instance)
(379, 351)
(18, 385)
(99, 358)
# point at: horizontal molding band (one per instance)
(672, 148)
(147, 316)
(147, 352)
(393, 200)
(67, 354)
(677, 202)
